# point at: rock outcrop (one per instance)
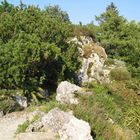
(64, 124)
(75, 130)
(93, 57)
(66, 93)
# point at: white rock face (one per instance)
(83, 40)
(22, 101)
(65, 124)
(75, 130)
(95, 70)
(92, 66)
(65, 93)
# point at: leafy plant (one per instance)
(120, 74)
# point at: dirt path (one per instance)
(9, 124)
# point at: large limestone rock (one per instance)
(75, 130)
(92, 69)
(64, 124)
(65, 92)
(93, 57)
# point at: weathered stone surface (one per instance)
(93, 61)
(93, 58)
(75, 130)
(93, 69)
(65, 92)
(83, 40)
(65, 124)
(22, 101)
(37, 136)
(56, 118)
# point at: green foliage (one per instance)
(7, 102)
(33, 48)
(56, 12)
(9, 105)
(115, 101)
(120, 74)
(94, 29)
(120, 38)
(109, 62)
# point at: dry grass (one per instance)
(82, 31)
(93, 48)
(118, 133)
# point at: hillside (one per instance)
(65, 81)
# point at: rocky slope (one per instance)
(9, 124)
(94, 58)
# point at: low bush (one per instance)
(7, 103)
(120, 74)
(109, 62)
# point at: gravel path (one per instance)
(9, 124)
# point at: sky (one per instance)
(85, 10)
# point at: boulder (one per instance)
(93, 68)
(66, 93)
(93, 57)
(22, 101)
(75, 130)
(65, 124)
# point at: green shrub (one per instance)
(120, 74)
(33, 48)
(109, 62)
(7, 103)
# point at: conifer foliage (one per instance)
(33, 47)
